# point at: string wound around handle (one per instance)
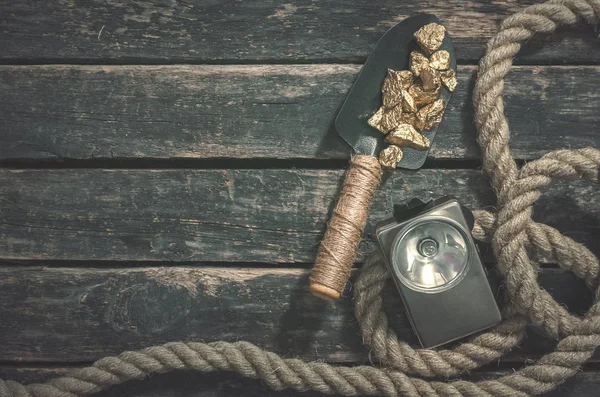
(338, 248)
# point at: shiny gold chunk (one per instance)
(440, 60)
(375, 119)
(449, 79)
(390, 156)
(430, 116)
(418, 61)
(430, 37)
(386, 120)
(422, 97)
(393, 84)
(391, 118)
(391, 97)
(431, 79)
(408, 103)
(408, 118)
(403, 77)
(406, 135)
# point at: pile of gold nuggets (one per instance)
(411, 102)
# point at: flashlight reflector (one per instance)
(430, 255)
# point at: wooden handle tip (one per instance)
(324, 292)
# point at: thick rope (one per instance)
(517, 191)
(518, 243)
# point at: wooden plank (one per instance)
(82, 314)
(284, 112)
(192, 384)
(237, 31)
(182, 215)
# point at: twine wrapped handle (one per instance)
(338, 248)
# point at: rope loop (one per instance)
(512, 237)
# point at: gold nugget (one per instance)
(449, 79)
(403, 77)
(408, 103)
(390, 97)
(430, 37)
(390, 156)
(431, 79)
(393, 84)
(390, 91)
(440, 60)
(422, 97)
(418, 61)
(430, 116)
(406, 135)
(375, 119)
(390, 119)
(408, 118)
(386, 120)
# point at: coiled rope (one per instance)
(518, 243)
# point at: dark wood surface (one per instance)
(257, 111)
(86, 313)
(267, 31)
(262, 215)
(167, 170)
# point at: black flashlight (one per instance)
(436, 266)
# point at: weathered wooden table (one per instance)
(168, 168)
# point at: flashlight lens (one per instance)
(430, 255)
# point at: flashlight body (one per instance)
(446, 294)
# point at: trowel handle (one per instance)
(340, 243)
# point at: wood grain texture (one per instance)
(179, 215)
(222, 384)
(82, 314)
(283, 112)
(239, 31)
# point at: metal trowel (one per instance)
(337, 251)
(392, 51)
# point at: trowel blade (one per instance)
(392, 51)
